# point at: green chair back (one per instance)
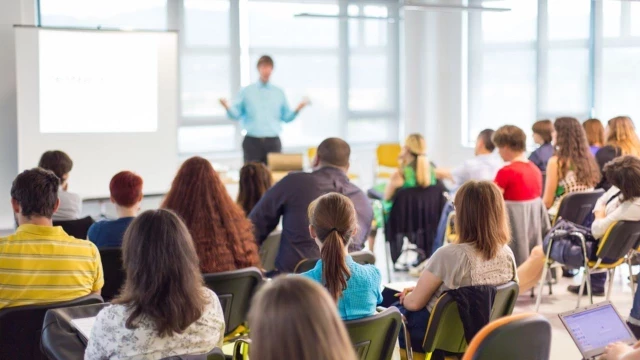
(374, 337)
(445, 330)
(505, 300)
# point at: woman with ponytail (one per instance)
(354, 287)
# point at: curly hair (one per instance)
(572, 150)
(222, 234)
(255, 180)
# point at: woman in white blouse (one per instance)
(164, 308)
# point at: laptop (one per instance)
(594, 327)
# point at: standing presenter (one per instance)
(262, 108)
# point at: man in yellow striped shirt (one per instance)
(40, 263)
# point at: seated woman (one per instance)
(571, 169)
(222, 234)
(543, 137)
(294, 318)
(595, 134)
(481, 256)
(70, 203)
(255, 180)
(520, 179)
(126, 193)
(146, 320)
(355, 287)
(622, 139)
(620, 202)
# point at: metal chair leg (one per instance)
(545, 269)
(632, 278)
(612, 273)
(585, 275)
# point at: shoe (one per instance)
(635, 329)
(576, 288)
(569, 273)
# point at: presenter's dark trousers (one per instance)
(256, 149)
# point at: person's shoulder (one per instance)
(112, 314)
(607, 151)
(449, 250)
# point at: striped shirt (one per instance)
(42, 264)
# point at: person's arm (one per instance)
(265, 216)
(102, 342)
(443, 174)
(395, 182)
(414, 299)
(502, 179)
(535, 158)
(603, 222)
(551, 184)
(237, 110)
(286, 115)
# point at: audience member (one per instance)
(290, 198)
(295, 318)
(61, 164)
(520, 179)
(164, 309)
(595, 134)
(355, 287)
(126, 193)
(255, 180)
(484, 166)
(221, 232)
(40, 262)
(621, 140)
(571, 169)
(543, 137)
(481, 256)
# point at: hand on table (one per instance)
(616, 351)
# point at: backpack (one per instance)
(566, 248)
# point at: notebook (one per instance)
(84, 326)
(594, 327)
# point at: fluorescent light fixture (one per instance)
(359, 17)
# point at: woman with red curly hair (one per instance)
(222, 234)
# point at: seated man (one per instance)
(61, 164)
(40, 262)
(291, 196)
(484, 166)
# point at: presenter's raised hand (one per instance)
(305, 101)
(224, 103)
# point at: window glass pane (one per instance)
(567, 82)
(611, 18)
(368, 82)
(205, 79)
(274, 24)
(635, 19)
(569, 19)
(621, 83)
(517, 25)
(367, 130)
(206, 22)
(139, 14)
(375, 30)
(206, 138)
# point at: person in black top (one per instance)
(621, 139)
(543, 136)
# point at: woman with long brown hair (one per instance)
(222, 234)
(480, 257)
(164, 308)
(595, 134)
(255, 180)
(621, 140)
(295, 318)
(354, 287)
(571, 168)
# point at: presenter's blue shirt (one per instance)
(109, 233)
(261, 108)
(362, 294)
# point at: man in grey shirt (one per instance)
(61, 164)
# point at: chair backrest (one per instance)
(619, 240)
(305, 265)
(577, 206)
(445, 331)
(529, 224)
(505, 300)
(76, 228)
(215, 354)
(235, 289)
(362, 257)
(269, 251)
(374, 337)
(387, 154)
(21, 327)
(521, 336)
(114, 274)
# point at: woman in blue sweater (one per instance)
(354, 287)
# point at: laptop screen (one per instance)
(596, 328)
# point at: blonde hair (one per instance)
(295, 318)
(622, 135)
(417, 146)
(481, 217)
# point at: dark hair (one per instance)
(510, 136)
(265, 60)
(221, 231)
(255, 180)
(572, 150)
(544, 128)
(486, 135)
(163, 283)
(36, 191)
(58, 162)
(334, 151)
(624, 173)
(595, 131)
(333, 217)
(126, 188)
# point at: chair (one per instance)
(505, 300)
(114, 274)
(21, 327)
(577, 207)
(362, 257)
(529, 224)
(445, 331)
(521, 336)
(269, 251)
(374, 337)
(386, 160)
(235, 289)
(76, 228)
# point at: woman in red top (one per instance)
(520, 179)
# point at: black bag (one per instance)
(566, 248)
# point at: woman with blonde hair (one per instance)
(595, 134)
(621, 140)
(294, 318)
